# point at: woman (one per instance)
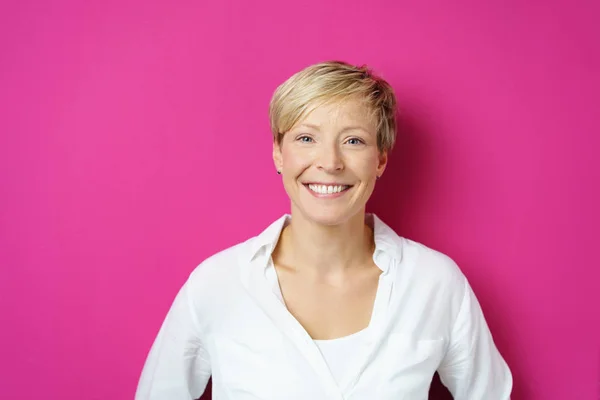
(328, 302)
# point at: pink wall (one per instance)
(135, 142)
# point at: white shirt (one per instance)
(226, 321)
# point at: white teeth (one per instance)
(327, 189)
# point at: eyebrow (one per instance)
(346, 129)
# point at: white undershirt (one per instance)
(338, 353)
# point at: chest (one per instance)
(264, 355)
(329, 309)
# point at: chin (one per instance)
(326, 216)
(326, 212)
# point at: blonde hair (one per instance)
(332, 81)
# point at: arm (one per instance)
(178, 366)
(473, 369)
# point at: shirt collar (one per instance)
(269, 237)
(386, 239)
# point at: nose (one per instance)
(329, 159)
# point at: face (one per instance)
(330, 161)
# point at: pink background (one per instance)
(135, 143)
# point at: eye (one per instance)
(304, 139)
(355, 141)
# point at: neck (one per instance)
(325, 249)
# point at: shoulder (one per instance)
(221, 267)
(415, 261)
(215, 283)
(428, 283)
(220, 274)
(429, 275)
(430, 264)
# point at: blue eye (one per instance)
(355, 141)
(305, 139)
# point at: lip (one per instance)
(326, 183)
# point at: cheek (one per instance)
(294, 158)
(367, 165)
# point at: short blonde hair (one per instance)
(333, 81)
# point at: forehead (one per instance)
(351, 111)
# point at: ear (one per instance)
(277, 156)
(382, 162)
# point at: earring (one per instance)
(377, 177)
(278, 172)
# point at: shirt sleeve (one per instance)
(473, 368)
(178, 364)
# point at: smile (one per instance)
(327, 189)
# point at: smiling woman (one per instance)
(328, 302)
(330, 161)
